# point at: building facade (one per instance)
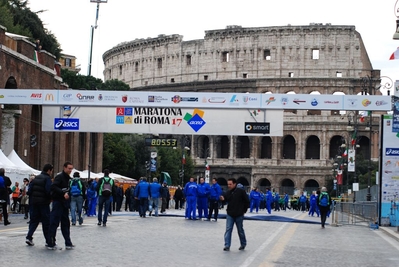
(23, 67)
(313, 59)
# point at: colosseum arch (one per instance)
(312, 147)
(242, 147)
(263, 183)
(222, 147)
(266, 147)
(287, 186)
(242, 180)
(311, 185)
(289, 147)
(364, 147)
(203, 147)
(335, 144)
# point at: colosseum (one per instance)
(313, 59)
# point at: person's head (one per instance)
(155, 180)
(144, 179)
(2, 171)
(68, 167)
(76, 175)
(16, 184)
(323, 189)
(231, 183)
(214, 180)
(26, 180)
(191, 179)
(106, 173)
(202, 180)
(48, 168)
(165, 183)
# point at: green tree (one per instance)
(118, 156)
(114, 85)
(28, 23)
(170, 160)
(78, 81)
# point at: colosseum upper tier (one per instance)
(314, 51)
(317, 58)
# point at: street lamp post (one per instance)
(184, 142)
(368, 87)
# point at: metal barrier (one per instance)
(359, 213)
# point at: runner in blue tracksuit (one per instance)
(215, 194)
(190, 192)
(203, 192)
(269, 200)
(254, 198)
(286, 199)
(313, 205)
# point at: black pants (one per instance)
(5, 212)
(213, 207)
(323, 214)
(178, 203)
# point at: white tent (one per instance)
(16, 173)
(14, 158)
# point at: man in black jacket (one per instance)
(39, 196)
(5, 192)
(60, 210)
(238, 204)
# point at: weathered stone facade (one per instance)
(19, 70)
(326, 59)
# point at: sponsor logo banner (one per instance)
(257, 127)
(64, 124)
(391, 151)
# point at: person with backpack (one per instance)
(77, 191)
(5, 191)
(324, 202)
(105, 189)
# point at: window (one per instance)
(245, 75)
(120, 70)
(68, 62)
(159, 63)
(225, 57)
(136, 67)
(315, 53)
(172, 80)
(266, 54)
(146, 83)
(339, 74)
(205, 77)
(290, 74)
(188, 60)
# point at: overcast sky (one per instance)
(125, 20)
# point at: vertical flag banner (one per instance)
(395, 118)
(351, 160)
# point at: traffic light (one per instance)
(33, 141)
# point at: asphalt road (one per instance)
(170, 240)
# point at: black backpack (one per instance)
(106, 187)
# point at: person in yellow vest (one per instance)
(15, 197)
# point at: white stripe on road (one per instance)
(251, 258)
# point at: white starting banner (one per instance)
(160, 120)
(194, 99)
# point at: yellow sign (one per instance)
(49, 97)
